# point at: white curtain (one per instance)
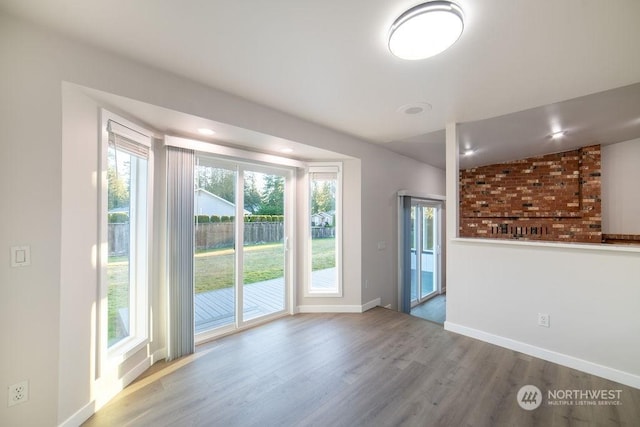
(180, 176)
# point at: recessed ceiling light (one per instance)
(558, 135)
(417, 108)
(206, 131)
(426, 30)
(286, 150)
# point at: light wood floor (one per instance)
(380, 368)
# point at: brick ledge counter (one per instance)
(621, 239)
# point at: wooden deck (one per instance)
(214, 309)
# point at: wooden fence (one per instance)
(217, 235)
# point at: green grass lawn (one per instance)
(214, 269)
(118, 294)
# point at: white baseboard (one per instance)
(158, 355)
(82, 415)
(371, 304)
(338, 308)
(612, 374)
(136, 372)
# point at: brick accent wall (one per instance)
(553, 198)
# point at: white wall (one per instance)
(381, 180)
(78, 275)
(496, 290)
(620, 195)
(30, 168)
(47, 309)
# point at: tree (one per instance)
(323, 196)
(117, 190)
(273, 196)
(220, 182)
(252, 197)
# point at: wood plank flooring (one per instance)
(379, 368)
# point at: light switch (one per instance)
(20, 256)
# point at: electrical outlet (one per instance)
(544, 319)
(18, 393)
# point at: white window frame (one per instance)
(322, 167)
(140, 254)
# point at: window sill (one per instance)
(322, 294)
(126, 348)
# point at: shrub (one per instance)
(201, 219)
(118, 218)
(225, 218)
(215, 218)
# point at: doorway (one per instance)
(420, 257)
(424, 252)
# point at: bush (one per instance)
(215, 218)
(118, 218)
(201, 219)
(225, 218)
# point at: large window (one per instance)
(324, 236)
(125, 266)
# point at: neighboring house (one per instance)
(206, 203)
(322, 218)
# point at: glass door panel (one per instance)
(263, 287)
(263, 250)
(427, 283)
(214, 240)
(415, 261)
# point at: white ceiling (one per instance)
(327, 62)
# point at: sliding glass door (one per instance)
(240, 235)
(424, 251)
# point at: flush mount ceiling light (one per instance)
(558, 135)
(426, 30)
